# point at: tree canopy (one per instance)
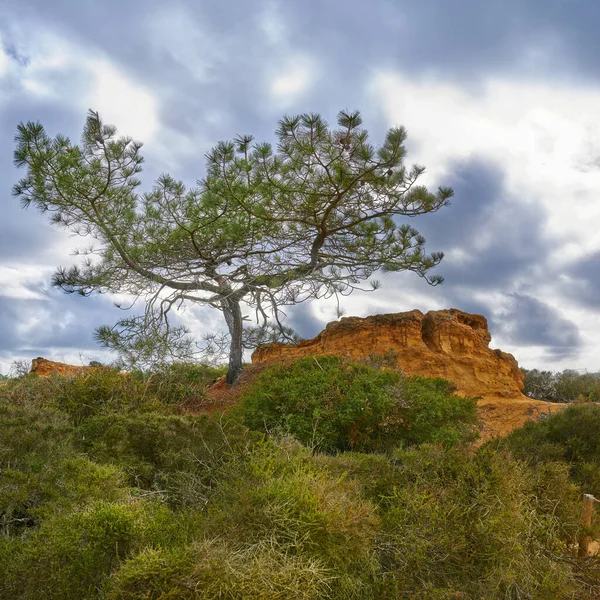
(312, 217)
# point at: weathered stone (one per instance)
(445, 343)
(44, 368)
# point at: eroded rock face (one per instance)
(45, 368)
(444, 343)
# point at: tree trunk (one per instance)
(233, 317)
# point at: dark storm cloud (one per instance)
(54, 321)
(478, 186)
(499, 237)
(302, 320)
(530, 322)
(465, 38)
(582, 281)
(493, 242)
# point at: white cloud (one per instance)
(546, 141)
(289, 72)
(122, 101)
(59, 70)
(291, 80)
(51, 62)
(19, 281)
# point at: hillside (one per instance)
(324, 479)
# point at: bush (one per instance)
(325, 401)
(332, 404)
(28, 498)
(282, 498)
(40, 472)
(214, 569)
(123, 504)
(180, 457)
(180, 384)
(472, 526)
(433, 413)
(107, 391)
(28, 436)
(570, 435)
(97, 391)
(72, 556)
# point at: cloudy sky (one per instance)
(501, 100)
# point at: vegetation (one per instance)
(265, 228)
(106, 391)
(140, 502)
(569, 436)
(565, 386)
(330, 404)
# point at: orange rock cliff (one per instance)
(445, 343)
(44, 368)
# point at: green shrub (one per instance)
(29, 435)
(180, 384)
(29, 497)
(154, 574)
(214, 569)
(570, 435)
(102, 391)
(124, 504)
(72, 556)
(434, 413)
(376, 474)
(473, 526)
(283, 497)
(98, 391)
(333, 404)
(41, 473)
(180, 457)
(325, 401)
(565, 386)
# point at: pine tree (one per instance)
(266, 227)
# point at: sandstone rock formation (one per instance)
(45, 368)
(446, 343)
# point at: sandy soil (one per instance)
(499, 416)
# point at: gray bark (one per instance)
(233, 317)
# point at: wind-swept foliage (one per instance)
(266, 227)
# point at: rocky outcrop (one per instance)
(45, 368)
(445, 343)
